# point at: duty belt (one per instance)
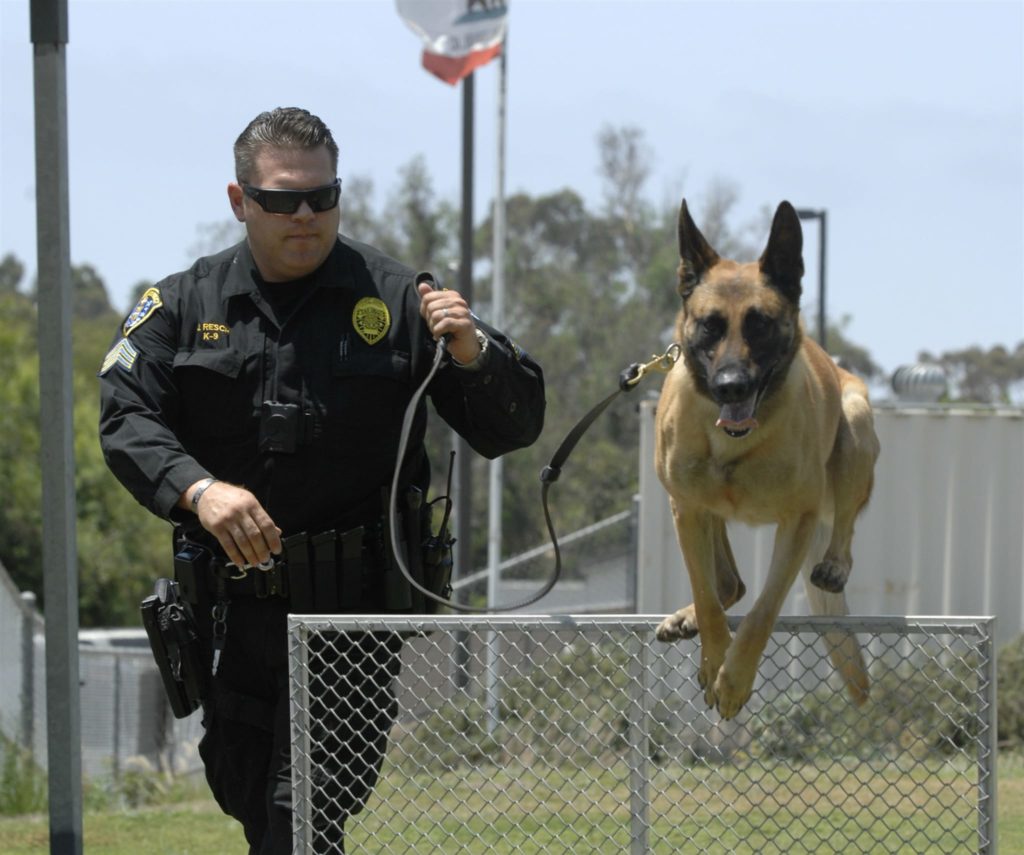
(330, 571)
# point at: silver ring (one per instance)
(445, 311)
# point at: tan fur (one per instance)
(807, 468)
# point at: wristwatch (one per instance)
(477, 360)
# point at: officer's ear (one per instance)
(235, 197)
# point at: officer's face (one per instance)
(287, 246)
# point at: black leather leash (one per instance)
(628, 380)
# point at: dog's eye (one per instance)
(756, 326)
(711, 327)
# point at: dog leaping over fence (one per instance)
(756, 423)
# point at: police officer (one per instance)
(256, 401)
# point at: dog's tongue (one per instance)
(738, 415)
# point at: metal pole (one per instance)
(498, 320)
(633, 561)
(822, 323)
(49, 33)
(463, 472)
(496, 468)
(28, 672)
(821, 216)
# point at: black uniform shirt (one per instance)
(183, 388)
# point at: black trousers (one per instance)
(246, 748)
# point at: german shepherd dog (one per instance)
(757, 423)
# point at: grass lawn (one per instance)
(1011, 807)
(473, 813)
(196, 828)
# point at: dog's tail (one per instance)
(843, 646)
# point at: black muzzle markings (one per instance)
(736, 369)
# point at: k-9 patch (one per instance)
(148, 304)
(122, 354)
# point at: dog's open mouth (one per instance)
(737, 418)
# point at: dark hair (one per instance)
(282, 127)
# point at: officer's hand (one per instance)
(446, 313)
(236, 518)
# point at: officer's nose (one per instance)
(303, 212)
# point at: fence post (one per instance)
(633, 556)
(302, 807)
(493, 682)
(639, 738)
(115, 719)
(28, 669)
(988, 750)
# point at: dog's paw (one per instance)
(712, 655)
(709, 683)
(830, 576)
(730, 693)
(678, 626)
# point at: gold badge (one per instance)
(371, 319)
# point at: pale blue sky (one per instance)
(902, 119)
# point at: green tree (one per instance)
(121, 547)
(625, 160)
(11, 273)
(20, 513)
(358, 218)
(211, 238)
(426, 230)
(993, 376)
(89, 298)
(851, 356)
(138, 289)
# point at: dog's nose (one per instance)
(731, 385)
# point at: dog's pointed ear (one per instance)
(782, 261)
(695, 253)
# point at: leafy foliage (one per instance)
(1010, 679)
(22, 782)
(993, 376)
(121, 547)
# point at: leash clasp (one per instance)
(663, 364)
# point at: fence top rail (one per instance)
(983, 625)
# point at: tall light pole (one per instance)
(49, 34)
(821, 217)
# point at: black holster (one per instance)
(174, 640)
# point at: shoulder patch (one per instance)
(122, 354)
(371, 319)
(148, 303)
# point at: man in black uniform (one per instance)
(256, 401)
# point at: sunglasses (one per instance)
(288, 201)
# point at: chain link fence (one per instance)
(584, 735)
